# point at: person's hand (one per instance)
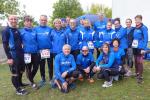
(98, 69)
(87, 70)
(65, 85)
(143, 51)
(10, 61)
(64, 74)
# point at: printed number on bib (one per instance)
(90, 45)
(135, 43)
(45, 53)
(27, 58)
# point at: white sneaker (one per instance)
(107, 84)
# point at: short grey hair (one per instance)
(66, 46)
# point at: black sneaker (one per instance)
(21, 92)
(24, 84)
(140, 80)
(34, 86)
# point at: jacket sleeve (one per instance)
(110, 62)
(145, 35)
(73, 65)
(5, 40)
(99, 59)
(57, 69)
(122, 33)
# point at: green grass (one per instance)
(126, 89)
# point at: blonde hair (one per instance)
(56, 20)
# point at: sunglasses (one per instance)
(84, 50)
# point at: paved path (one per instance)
(2, 54)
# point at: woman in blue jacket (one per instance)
(105, 65)
(86, 36)
(85, 63)
(30, 48)
(107, 35)
(140, 40)
(64, 69)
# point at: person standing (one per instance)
(140, 40)
(30, 47)
(12, 44)
(44, 46)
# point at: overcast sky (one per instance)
(38, 7)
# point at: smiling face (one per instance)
(109, 25)
(115, 43)
(128, 23)
(105, 49)
(13, 20)
(66, 49)
(117, 24)
(43, 20)
(28, 22)
(57, 24)
(85, 50)
(138, 21)
(72, 24)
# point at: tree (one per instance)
(63, 8)
(96, 8)
(9, 7)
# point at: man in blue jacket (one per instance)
(44, 46)
(12, 44)
(30, 46)
(73, 38)
(85, 63)
(65, 67)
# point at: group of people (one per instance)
(69, 50)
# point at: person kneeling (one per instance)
(105, 64)
(85, 63)
(65, 73)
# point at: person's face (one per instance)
(28, 23)
(117, 24)
(43, 20)
(101, 17)
(67, 20)
(86, 24)
(138, 21)
(13, 20)
(57, 25)
(109, 26)
(72, 25)
(82, 22)
(128, 23)
(85, 51)
(115, 44)
(66, 51)
(63, 24)
(105, 49)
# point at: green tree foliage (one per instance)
(9, 7)
(63, 8)
(96, 8)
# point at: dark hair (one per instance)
(27, 18)
(106, 44)
(116, 39)
(138, 16)
(117, 19)
(129, 19)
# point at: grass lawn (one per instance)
(126, 89)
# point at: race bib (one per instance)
(90, 45)
(45, 53)
(135, 43)
(27, 58)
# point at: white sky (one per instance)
(38, 7)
